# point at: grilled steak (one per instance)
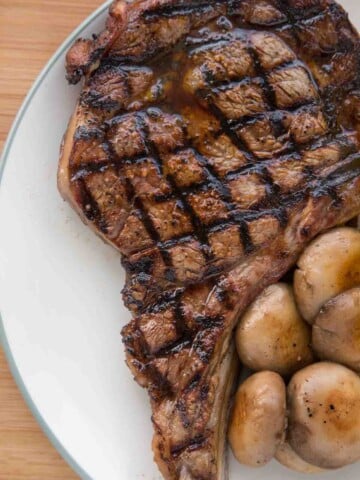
(211, 142)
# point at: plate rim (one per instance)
(66, 455)
(4, 157)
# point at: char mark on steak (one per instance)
(211, 142)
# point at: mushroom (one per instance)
(324, 415)
(272, 335)
(258, 421)
(330, 265)
(290, 459)
(336, 331)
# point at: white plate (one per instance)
(61, 306)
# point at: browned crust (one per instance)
(184, 359)
(85, 54)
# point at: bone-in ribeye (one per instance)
(211, 141)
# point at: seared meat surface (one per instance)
(211, 142)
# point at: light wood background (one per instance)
(30, 32)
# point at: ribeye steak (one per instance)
(211, 141)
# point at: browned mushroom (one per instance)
(330, 265)
(336, 331)
(272, 335)
(324, 415)
(257, 425)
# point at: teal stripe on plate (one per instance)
(6, 152)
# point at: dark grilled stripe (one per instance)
(297, 14)
(226, 196)
(349, 169)
(165, 300)
(184, 9)
(175, 347)
(180, 194)
(220, 86)
(85, 169)
(246, 237)
(213, 181)
(210, 41)
(229, 131)
(275, 205)
(272, 190)
(90, 207)
(193, 444)
(138, 204)
(260, 78)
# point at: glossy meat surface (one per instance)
(211, 142)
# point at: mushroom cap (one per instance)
(290, 459)
(329, 265)
(271, 335)
(324, 415)
(258, 421)
(336, 331)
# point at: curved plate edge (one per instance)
(3, 160)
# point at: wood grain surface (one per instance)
(30, 32)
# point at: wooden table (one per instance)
(30, 31)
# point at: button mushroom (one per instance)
(330, 265)
(258, 419)
(271, 335)
(324, 415)
(336, 331)
(287, 457)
